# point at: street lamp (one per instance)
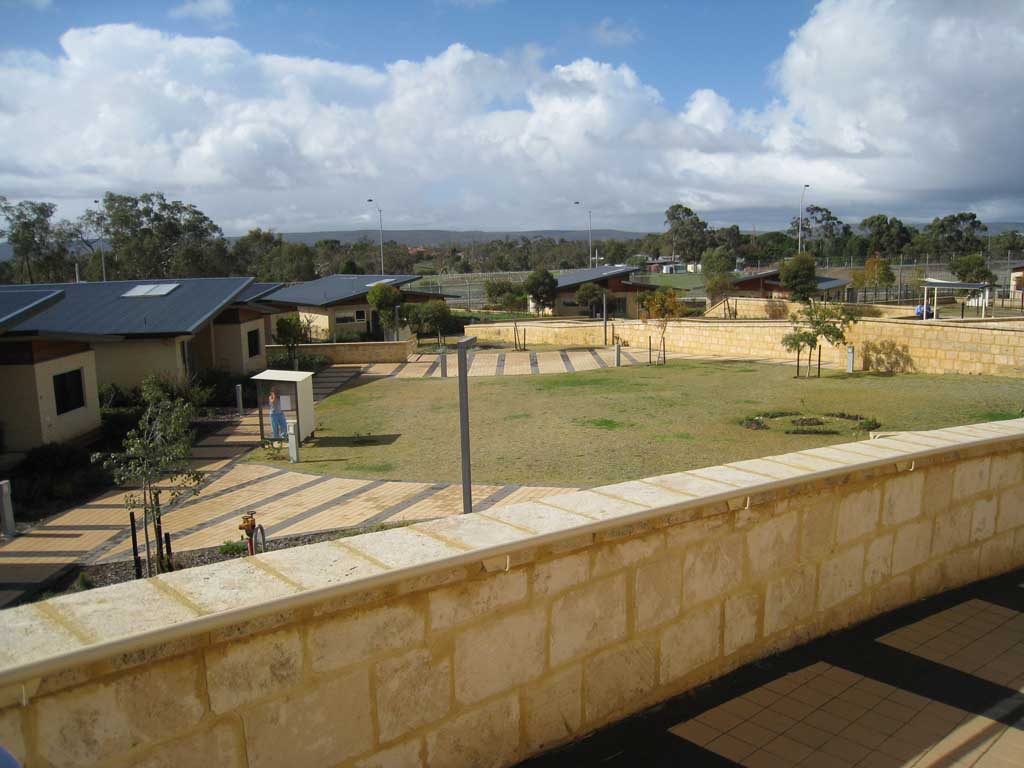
(380, 225)
(800, 222)
(590, 235)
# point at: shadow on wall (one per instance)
(776, 309)
(887, 356)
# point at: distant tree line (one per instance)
(149, 236)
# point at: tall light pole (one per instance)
(380, 226)
(590, 235)
(800, 222)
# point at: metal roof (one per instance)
(255, 291)
(102, 309)
(17, 306)
(825, 283)
(596, 274)
(333, 289)
(934, 282)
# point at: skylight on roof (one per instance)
(385, 280)
(153, 289)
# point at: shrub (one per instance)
(159, 387)
(56, 472)
(222, 387)
(115, 396)
(314, 363)
(754, 422)
(233, 548)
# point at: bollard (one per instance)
(650, 351)
(618, 355)
(444, 362)
(238, 400)
(849, 358)
(293, 444)
(6, 510)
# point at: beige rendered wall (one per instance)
(320, 319)
(232, 345)
(56, 427)
(126, 363)
(19, 408)
(358, 352)
(483, 639)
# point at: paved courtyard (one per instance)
(938, 683)
(286, 503)
(492, 363)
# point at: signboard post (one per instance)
(467, 482)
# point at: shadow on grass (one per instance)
(353, 441)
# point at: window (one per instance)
(339, 318)
(253, 338)
(68, 391)
(360, 314)
(151, 289)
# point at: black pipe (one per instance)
(135, 547)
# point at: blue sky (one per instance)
(678, 47)
(499, 114)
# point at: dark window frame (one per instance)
(69, 391)
(250, 336)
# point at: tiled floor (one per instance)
(934, 684)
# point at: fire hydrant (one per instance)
(253, 532)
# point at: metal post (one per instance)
(467, 481)
(604, 314)
(618, 355)
(293, 444)
(590, 237)
(800, 224)
(103, 264)
(135, 547)
(167, 550)
(650, 351)
(380, 224)
(6, 509)
(849, 358)
(444, 362)
(398, 321)
(238, 400)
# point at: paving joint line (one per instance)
(339, 499)
(404, 504)
(494, 498)
(499, 368)
(597, 358)
(569, 368)
(534, 365)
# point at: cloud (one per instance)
(923, 120)
(607, 32)
(209, 10)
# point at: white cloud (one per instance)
(923, 120)
(210, 10)
(607, 32)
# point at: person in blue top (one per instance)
(277, 420)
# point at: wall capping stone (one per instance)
(408, 559)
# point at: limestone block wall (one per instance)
(482, 639)
(994, 348)
(751, 308)
(353, 353)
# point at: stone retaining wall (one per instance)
(995, 348)
(749, 308)
(351, 353)
(483, 639)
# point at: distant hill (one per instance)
(431, 237)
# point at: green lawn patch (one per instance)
(609, 425)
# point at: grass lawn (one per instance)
(608, 425)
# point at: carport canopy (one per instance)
(935, 284)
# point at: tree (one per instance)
(542, 287)
(876, 274)
(885, 235)
(289, 333)
(687, 232)
(385, 299)
(796, 340)
(151, 237)
(155, 453)
(971, 268)
(829, 324)
(434, 316)
(799, 276)
(661, 305)
(589, 295)
(41, 251)
(956, 233)
(717, 266)
(775, 246)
